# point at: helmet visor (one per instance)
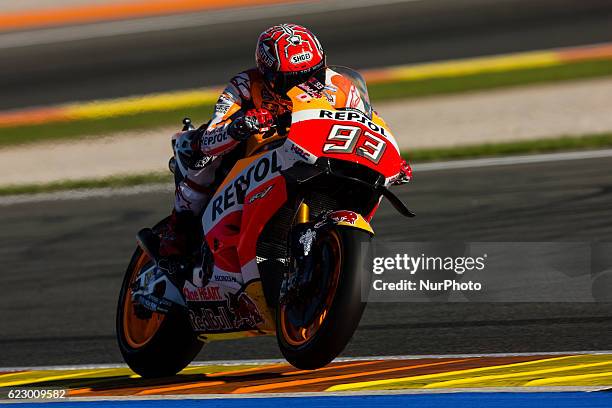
(281, 82)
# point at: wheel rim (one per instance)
(138, 332)
(298, 336)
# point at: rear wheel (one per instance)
(312, 333)
(161, 345)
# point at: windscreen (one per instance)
(359, 81)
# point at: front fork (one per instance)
(303, 238)
(298, 277)
(303, 215)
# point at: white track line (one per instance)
(418, 168)
(180, 21)
(337, 360)
(85, 194)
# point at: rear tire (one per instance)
(170, 347)
(341, 319)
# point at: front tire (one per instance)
(156, 347)
(315, 346)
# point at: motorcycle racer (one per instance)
(254, 101)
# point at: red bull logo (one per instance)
(344, 216)
(245, 311)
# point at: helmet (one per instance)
(288, 55)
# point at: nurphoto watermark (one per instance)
(487, 272)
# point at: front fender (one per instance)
(347, 218)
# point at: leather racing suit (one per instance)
(245, 91)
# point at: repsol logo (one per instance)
(352, 116)
(217, 135)
(301, 57)
(235, 192)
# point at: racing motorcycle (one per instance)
(286, 238)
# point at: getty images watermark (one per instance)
(487, 272)
(415, 264)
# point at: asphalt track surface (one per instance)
(63, 261)
(364, 37)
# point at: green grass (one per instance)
(437, 86)
(379, 92)
(80, 128)
(415, 156)
(566, 143)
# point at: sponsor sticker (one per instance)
(354, 116)
(203, 294)
(301, 153)
(214, 136)
(265, 55)
(235, 313)
(256, 173)
(261, 194)
(304, 56)
(344, 216)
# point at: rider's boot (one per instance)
(179, 242)
(159, 289)
(183, 233)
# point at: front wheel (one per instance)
(311, 334)
(159, 346)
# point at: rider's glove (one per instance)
(405, 174)
(254, 121)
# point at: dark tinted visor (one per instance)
(281, 82)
